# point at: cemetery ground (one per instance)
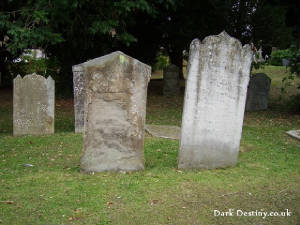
(53, 191)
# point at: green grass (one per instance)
(54, 191)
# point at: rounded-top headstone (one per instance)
(171, 80)
(214, 102)
(258, 92)
(33, 105)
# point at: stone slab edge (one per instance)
(293, 133)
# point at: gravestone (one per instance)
(260, 57)
(33, 105)
(286, 62)
(171, 81)
(79, 96)
(214, 102)
(258, 92)
(115, 110)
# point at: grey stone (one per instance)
(214, 102)
(163, 131)
(171, 81)
(258, 92)
(79, 97)
(260, 57)
(286, 62)
(294, 133)
(33, 105)
(115, 111)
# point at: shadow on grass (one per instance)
(64, 124)
(6, 121)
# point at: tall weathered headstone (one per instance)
(258, 92)
(33, 105)
(79, 96)
(115, 111)
(171, 80)
(214, 103)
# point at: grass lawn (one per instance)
(53, 191)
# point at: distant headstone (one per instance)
(260, 57)
(171, 80)
(274, 49)
(286, 62)
(258, 92)
(214, 102)
(115, 110)
(33, 105)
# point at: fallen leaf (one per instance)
(153, 202)
(108, 204)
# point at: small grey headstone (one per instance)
(171, 81)
(258, 92)
(285, 62)
(260, 57)
(214, 102)
(115, 111)
(33, 105)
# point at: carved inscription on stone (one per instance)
(33, 105)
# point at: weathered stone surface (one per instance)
(258, 92)
(115, 110)
(33, 105)
(294, 133)
(163, 131)
(79, 96)
(171, 80)
(214, 103)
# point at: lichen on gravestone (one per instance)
(33, 105)
(214, 102)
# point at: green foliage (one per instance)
(292, 54)
(71, 30)
(294, 60)
(26, 28)
(279, 55)
(28, 65)
(161, 62)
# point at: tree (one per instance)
(73, 31)
(188, 20)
